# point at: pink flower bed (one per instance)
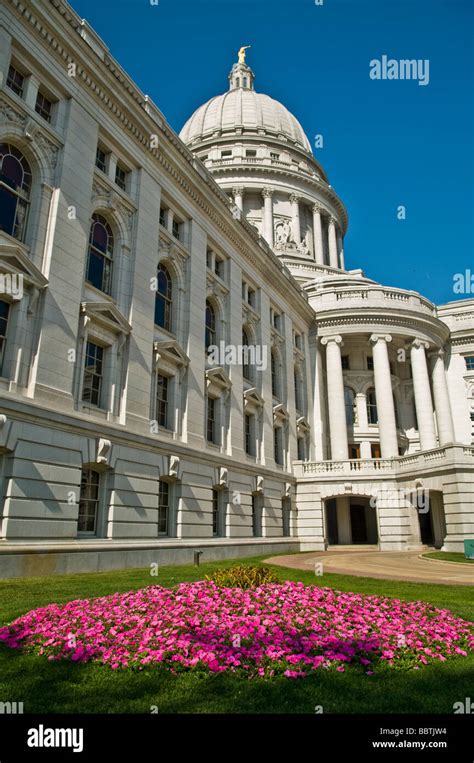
(286, 628)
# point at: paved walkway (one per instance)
(386, 565)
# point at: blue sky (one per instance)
(386, 143)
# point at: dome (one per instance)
(244, 112)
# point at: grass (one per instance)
(65, 687)
(449, 556)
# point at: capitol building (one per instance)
(186, 363)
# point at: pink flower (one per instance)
(199, 626)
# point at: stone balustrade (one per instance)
(388, 467)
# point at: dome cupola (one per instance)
(259, 154)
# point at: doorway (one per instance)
(358, 524)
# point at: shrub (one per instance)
(243, 577)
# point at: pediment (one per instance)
(15, 261)
(303, 424)
(171, 351)
(217, 376)
(253, 396)
(107, 314)
(280, 412)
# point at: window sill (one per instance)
(92, 410)
(102, 294)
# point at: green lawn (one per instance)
(449, 556)
(67, 687)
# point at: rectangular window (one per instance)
(209, 258)
(93, 374)
(469, 362)
(211, 424)
(101, 159)
(219, 268)
(43, 106)
(275, 319)
(354, 450)
(370, 363)
(249, 435)
(345, 363)
(301, 449)
(15, 81)
(251, 297)
(226, 154)
(250, 153)
(286, 514)
(163, 217)
(274, 156)
(216, 519)
(278, 445)
(121, 177)
(298, 341)
(162, 400)
(298, 391)
(4, 314)
(256, 516)
(375, 451)
(176, 230)
(163, 508)
(89, 502)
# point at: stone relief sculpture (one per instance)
(283, 235)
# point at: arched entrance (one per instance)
(350, 520)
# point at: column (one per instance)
(444, 417)
(238, 192)
(332, 241)
(295, 218)
(344, 528)
(267, 194)
(337, 410)
(318, 234)
(421, 388)
(340, 249)
(384, 396)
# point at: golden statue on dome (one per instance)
(242, 53)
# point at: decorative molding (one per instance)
(217, 381)
(337, 338)
(104, 448)
(105, 314)
(112, 200)
(376, 337)
(32, 131)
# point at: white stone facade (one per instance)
(121, 443)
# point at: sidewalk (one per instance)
(386, 565)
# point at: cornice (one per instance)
(412, 326)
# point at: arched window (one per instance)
(163, 298)
(100, 254)
(246, 365)
(15, 187)
(349, 400)
(210, 336)
(275, 375)
(372, 414)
